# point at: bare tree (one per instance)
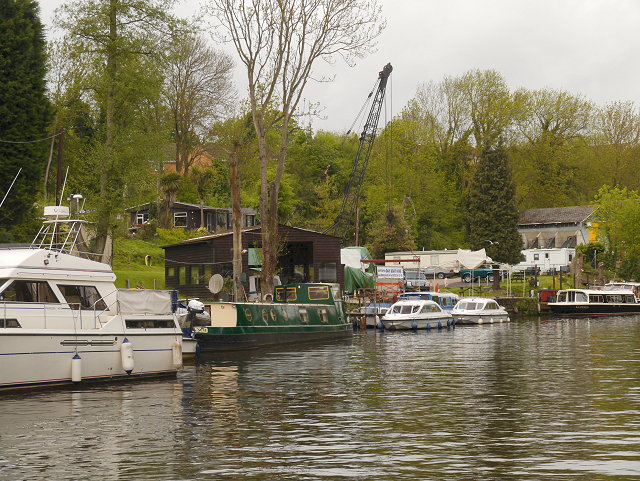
(199, 91)
(278, 42)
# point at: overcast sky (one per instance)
(585, 47)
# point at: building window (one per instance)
(142, 218)
(546, 255)
(211, 224)
(248, 220)
(536, 257)
(570, 257)
(171, 271)
(195, 274)
(182, 276)
(328, 272)
(222, 221)
(180, 219)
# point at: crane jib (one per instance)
(352, 190)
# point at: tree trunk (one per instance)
(237, 228)
(104, 210)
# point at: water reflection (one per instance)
(542, 398)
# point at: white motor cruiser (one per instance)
(63, 321)
(479, 310)
(416, 314)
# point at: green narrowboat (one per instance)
(297, 313)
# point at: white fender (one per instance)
(126, 352)
(176, 347)
(76, 369)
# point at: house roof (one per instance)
(184, 205)
(556, 215)
(255, 230)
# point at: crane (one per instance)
(352, 190)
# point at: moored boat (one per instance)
(446, 300)
(594, 302)
(65, 322)
(479, 310)
(297, 313)
(416, 314)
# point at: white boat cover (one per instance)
(144, 301)
(472, 259)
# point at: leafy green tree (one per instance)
(114, 39)
(199, 91)
(170, 183)
(493, 216)
(553, 128)
(279, 43)
(618, 214)
(203, 180)
(388, 233)
(618, 143)
(25, 113)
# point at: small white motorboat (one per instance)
(416, 314)
(479, 310)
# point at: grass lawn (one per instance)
(129, 264)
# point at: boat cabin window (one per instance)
(492, 305)
(599, 298)
(28, 291)
(304, 316)
(581, 297)
(614, 298)
(336, 293)
(471, 306)
(318, 293)
(562, 297)
(445, 301)
(629, 299)
(291, 294)
(429, 308)
(82, 297)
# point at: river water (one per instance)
(530, 399)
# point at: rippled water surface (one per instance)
(533, 399)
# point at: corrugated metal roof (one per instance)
(556, 215)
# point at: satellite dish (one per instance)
(215, 283)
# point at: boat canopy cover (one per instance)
(144, 301)
(357, 279)
(472, 259)
(351, 256)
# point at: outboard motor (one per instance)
(196, 314)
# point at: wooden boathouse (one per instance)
(305, 256)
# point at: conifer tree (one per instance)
(24, 115)
(493, 216)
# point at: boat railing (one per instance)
(74, 307)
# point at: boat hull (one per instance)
(566, 309)
(253, 325)
(33, 359)
(480, 318)
(233, 339)
(417, 323)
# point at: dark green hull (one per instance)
(233, 339)
(251, 325)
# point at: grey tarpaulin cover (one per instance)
(144, 301)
